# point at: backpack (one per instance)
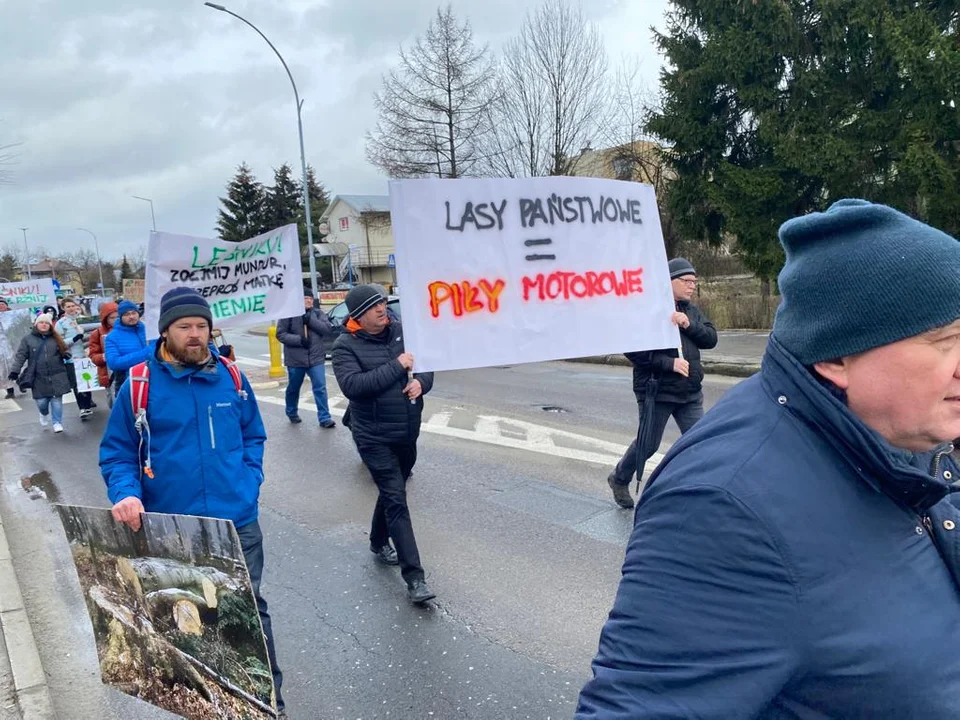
(140, 394)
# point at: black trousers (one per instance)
(686, 415)
(390, 466)
(251, 542)
(84, 399)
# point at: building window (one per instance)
(344, 223)
(623, 168)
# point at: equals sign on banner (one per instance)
(539, 256)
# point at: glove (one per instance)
(13, 376)
(78, 338)
(305, 342)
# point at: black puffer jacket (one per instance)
(45, 369)
(369, 375)
(291, 332)
(674, 387)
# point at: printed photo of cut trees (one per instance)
(173, 612)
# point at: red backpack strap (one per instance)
(139, 388)
(235, 374)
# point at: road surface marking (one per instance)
(540, 439)
(252, 362)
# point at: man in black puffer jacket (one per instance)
(676, 381)
(304, 353)
(375, 374)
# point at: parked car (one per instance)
(338, 318)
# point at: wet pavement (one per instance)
(523, 548)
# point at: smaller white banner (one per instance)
(246, 283)
(30, 293)
(87, 380)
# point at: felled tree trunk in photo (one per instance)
(160, 574)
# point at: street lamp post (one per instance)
(152, 216)
(26, 254)
(303, 157)
(96, 245)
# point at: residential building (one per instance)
(639, 161)
(63, 272)
(360, 238)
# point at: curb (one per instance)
(29, 680)
(715, 367)
(268, 384)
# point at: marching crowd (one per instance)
(795, 555)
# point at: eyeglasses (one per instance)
(687, 281)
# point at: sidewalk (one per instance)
(23, 685)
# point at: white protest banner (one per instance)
(31, 293)
(246, 283)
(87, 380)
(504, 271)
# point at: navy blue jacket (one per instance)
(205, 442)
(786, 562)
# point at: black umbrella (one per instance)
(645, 438)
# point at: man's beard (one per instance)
(188, 355)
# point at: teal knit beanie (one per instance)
(859, 276)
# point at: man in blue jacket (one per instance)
(126, 345)
(204, 445)
(797, 553)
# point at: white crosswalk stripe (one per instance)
(489, 429)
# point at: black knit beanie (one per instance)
(362, 298)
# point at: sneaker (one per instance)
(84, 414)
(9, 394)
(419, 592)
(44, 421)
(386, 554)
(294, 419)
(621, 493)
(57, 428)
(328, 424)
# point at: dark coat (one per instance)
(786, 562)
(45, 365)
(303, 344)
(371, 378)
(674, 387)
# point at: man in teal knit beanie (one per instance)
(797, 553)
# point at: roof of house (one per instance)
(52, 265)
(361, 204)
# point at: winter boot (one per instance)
(621, 493)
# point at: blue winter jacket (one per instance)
(125, 346)
(786, 562)
(205, 443)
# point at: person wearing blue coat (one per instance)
(126, 345)
(201, 452)
(797, 553)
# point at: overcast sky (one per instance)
(164, 98)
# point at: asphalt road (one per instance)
(515, 524)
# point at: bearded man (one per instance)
(203, 453)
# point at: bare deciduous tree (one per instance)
(434, 108)
(637, 154)
(554, 93)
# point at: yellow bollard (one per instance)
(276, 364)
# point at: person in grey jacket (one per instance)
(45, 354)
(303, 354)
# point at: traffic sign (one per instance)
(56, 285)
(391, 260)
